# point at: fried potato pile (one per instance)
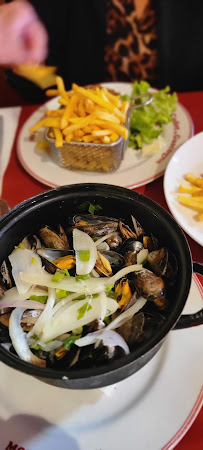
(195, 189)
(92, 115)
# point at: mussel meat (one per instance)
(57, 259)
(126, 231)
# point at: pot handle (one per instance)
(190, 320)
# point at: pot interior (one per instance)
(57, 206)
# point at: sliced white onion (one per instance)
(104, 238)
(142, 256)
(94, 274)
(19, 339)
(63, 303)
(27, 304)
(68, 319)
(13, 299)
(122, 273)
(104, 312)
(49, 346)
(13, 294)
(45, 316)
(24, 260)
(123, 317)
(82, 241)
(103, 246)
(108, 337)
(91, 285)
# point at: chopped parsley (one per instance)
(84, 255)
(70, 341)
(39, 298)
(87, 206)
(83, 310)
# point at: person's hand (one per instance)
(23, 38)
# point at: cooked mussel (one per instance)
(130, 250)
(148, 284)
(114, 241)
(63, 359)
(150, 242)
(92, 219)
(132, 329)
(57, 259)
(123, 291)
(163, 263)
(126, 231)
(138, 227)
(54, 239)
(108, 262)
(98, 229)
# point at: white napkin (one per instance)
(10, 122)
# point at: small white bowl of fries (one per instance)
(89, 130)
(183, 187)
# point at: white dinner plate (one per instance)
(135, 170)
(152, 409)
(188, 158)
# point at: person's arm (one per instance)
(23, 37)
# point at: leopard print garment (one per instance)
(130, 51)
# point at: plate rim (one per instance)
(198, 400)
(167, 194)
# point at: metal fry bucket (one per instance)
(93, 157)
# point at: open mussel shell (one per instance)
(92, 219)
(54, 239)
(61, 359)
(130, 249)
(138, 227)
(51, 258)
(115, 259)
(150, 242)
(98, 229)
(163, 263)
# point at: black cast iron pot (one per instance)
(55, 206)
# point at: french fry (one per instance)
(53, 122)
(88, 115)
(200, 216)
(198, 193)
(122, 131)
(198, 199)
(101, 132)
(188, 201)
(114, 137)
(54, 113)
(81, 107)
(106, 139)
(69, 137)
(52, 92)
(88, 94)
(60, 85)
(194, 180)
(115, 99)
(82, 122)
(59, 137)
(63, 101)
(188, 189)
(69, 111)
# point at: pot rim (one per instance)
(99, 189)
